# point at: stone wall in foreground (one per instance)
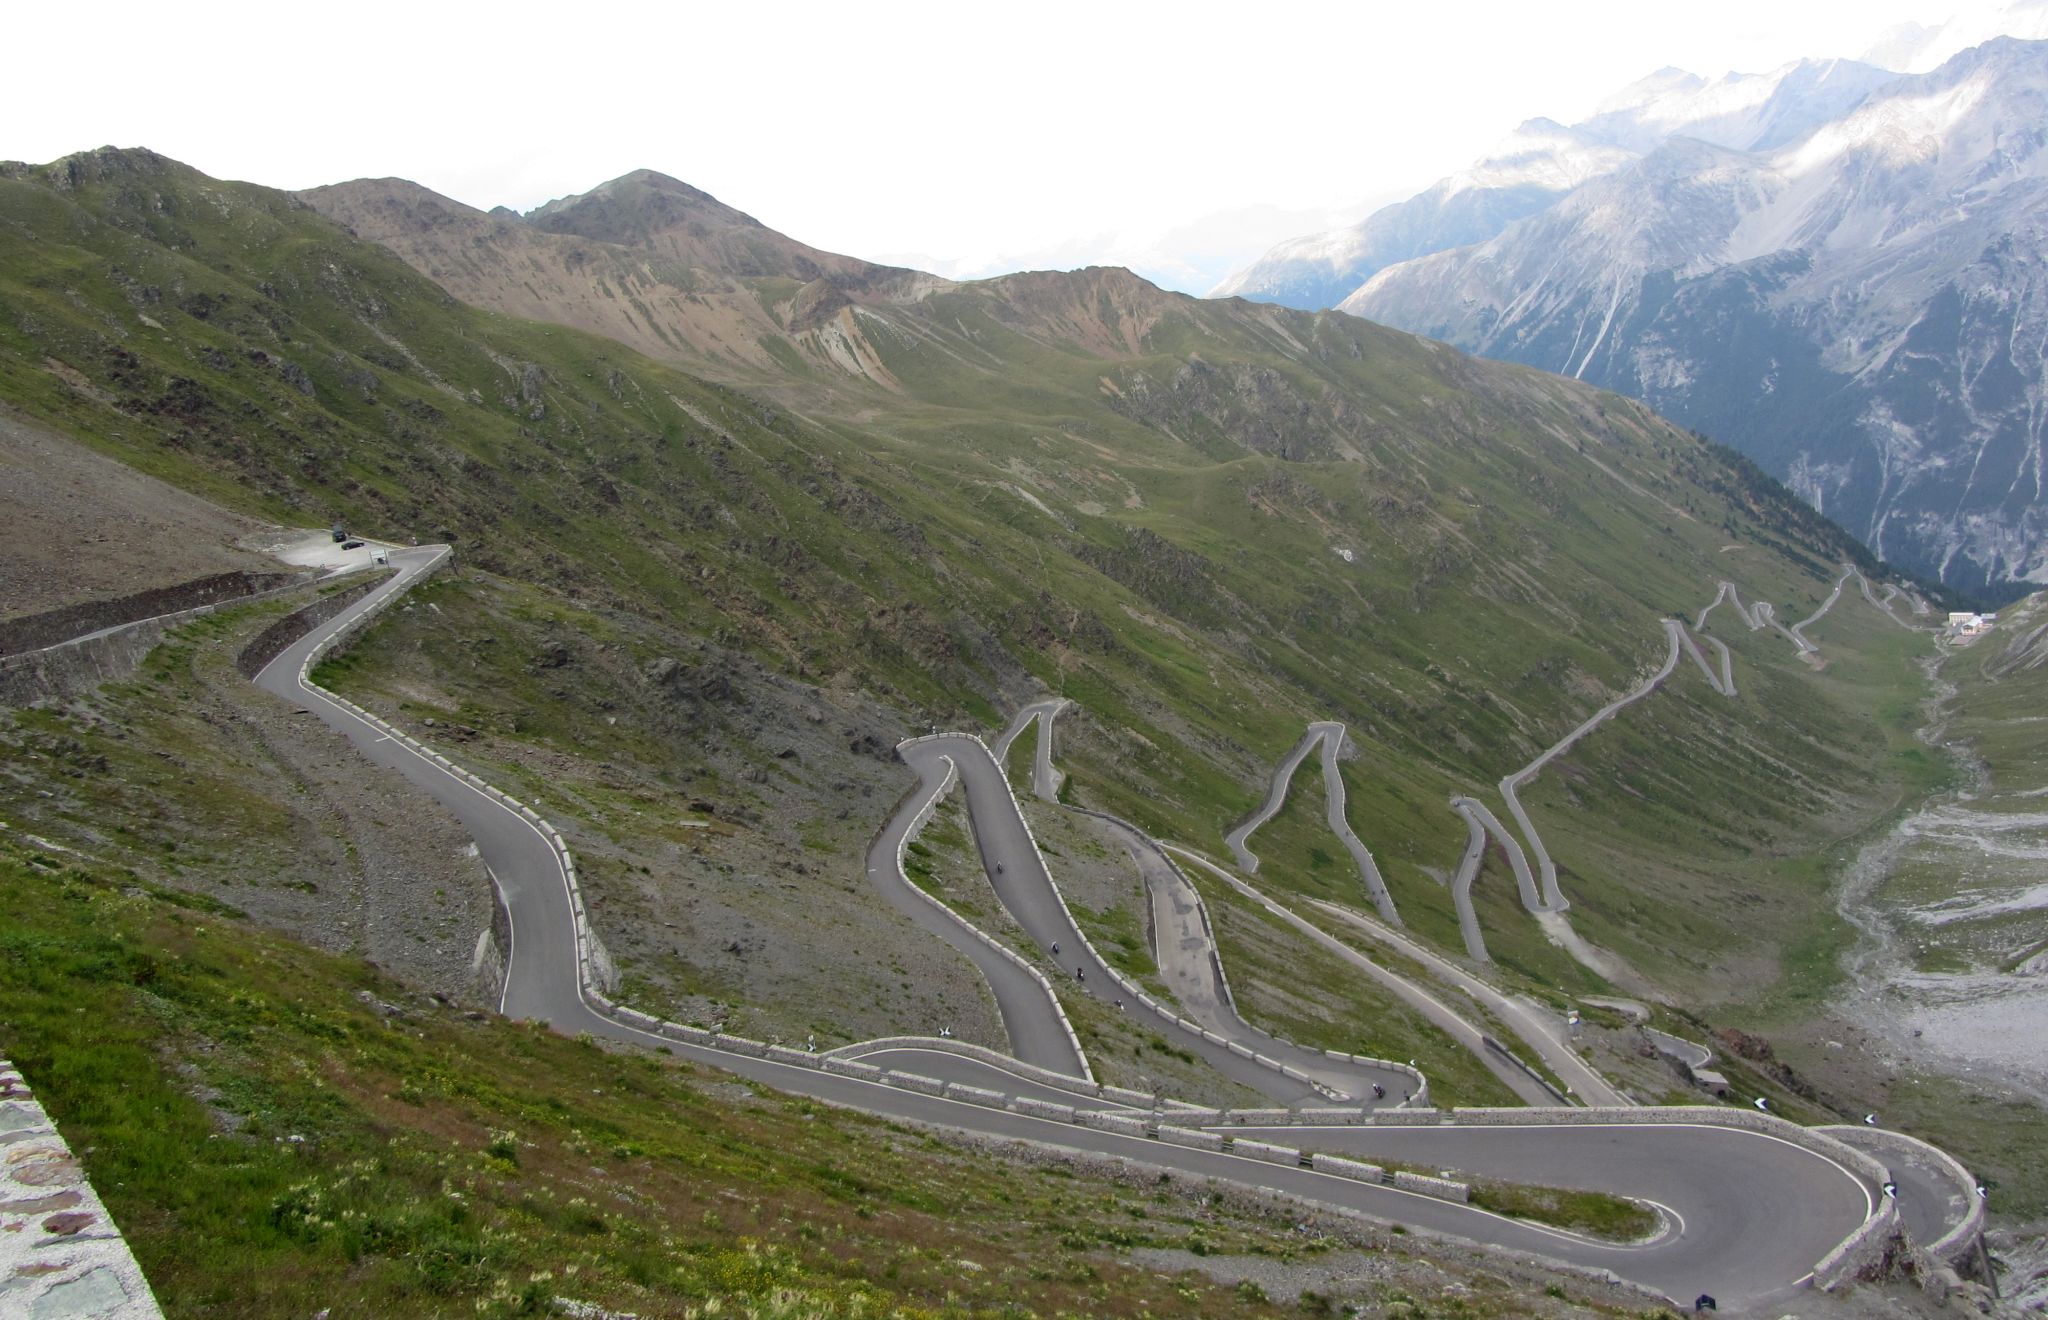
(61, 1258)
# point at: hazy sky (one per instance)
(964, 135)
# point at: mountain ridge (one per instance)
(1819, 276)
(1738, 111)
(689, 619)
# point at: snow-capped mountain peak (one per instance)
(1742, 111)
(1862, 307)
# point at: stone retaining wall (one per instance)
(65, 671)
(60, 1254)
(67, 667)
(34, 632)
(272, 641)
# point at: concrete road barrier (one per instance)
(1180, 1136)
(753, 1049)
(974, 1095)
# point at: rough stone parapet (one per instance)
(1357, 1170)
(1862, 1254)
(35, 632)
(61, 1256)
(1961, 1239)
(1267, 1151)
(1443, 1189)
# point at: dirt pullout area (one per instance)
(82, 526)
(193, 777)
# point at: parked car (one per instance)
(351, 544)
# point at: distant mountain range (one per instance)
(1836, 268)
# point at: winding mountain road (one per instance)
(1462, 880)
(1746, 1212)
(1045, 780)
(1038, 1031)
(1510, 787)
(1017, 872)
(1189, 963)
(1722, 682)
(1330, 734)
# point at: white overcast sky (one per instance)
(965, 136)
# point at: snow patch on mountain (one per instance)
(1541, 153)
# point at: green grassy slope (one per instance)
(280, 1131)
(1075, 482)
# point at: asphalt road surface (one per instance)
(1030, 1015)
(1190, 964)
(1750, 1212)
(1331, 735)
(1011, 860)
(1755, 1210)
(1045, 781)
